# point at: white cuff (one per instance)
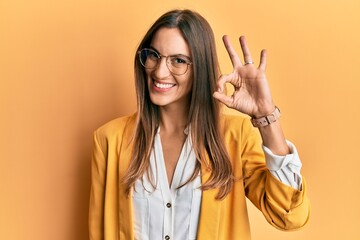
(285, 168)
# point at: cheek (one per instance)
(188, 85)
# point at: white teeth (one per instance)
(163, 85)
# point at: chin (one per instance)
(160, 102)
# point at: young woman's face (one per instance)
(167, 89)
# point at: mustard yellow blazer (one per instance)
(110, 215)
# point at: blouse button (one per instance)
(167, 237)
(169, 206)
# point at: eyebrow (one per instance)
(173, 55)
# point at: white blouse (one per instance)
(173, 213)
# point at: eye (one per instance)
(178, 61)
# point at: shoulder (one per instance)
(117, 127)
(236, 124)
(238, 131)
(240, 137)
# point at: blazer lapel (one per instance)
(210, 213)
(125, 201)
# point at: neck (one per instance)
(173, 120)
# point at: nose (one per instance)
(162, 70)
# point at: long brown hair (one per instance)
(204, 110)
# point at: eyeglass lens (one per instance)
(177, 64)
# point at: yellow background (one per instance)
(66, 68)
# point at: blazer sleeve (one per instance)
(97, 192)
(283, 206)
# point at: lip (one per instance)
(162, 86)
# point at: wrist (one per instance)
(267, 119)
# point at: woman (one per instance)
(178, 168)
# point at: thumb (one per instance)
(221, 97)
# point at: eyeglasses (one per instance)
(177, 64)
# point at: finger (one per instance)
(221, 83)
(246, 51)
(235, 60)
(230, 78)
(263, 60)
(228, 101)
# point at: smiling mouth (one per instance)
(163, 85)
